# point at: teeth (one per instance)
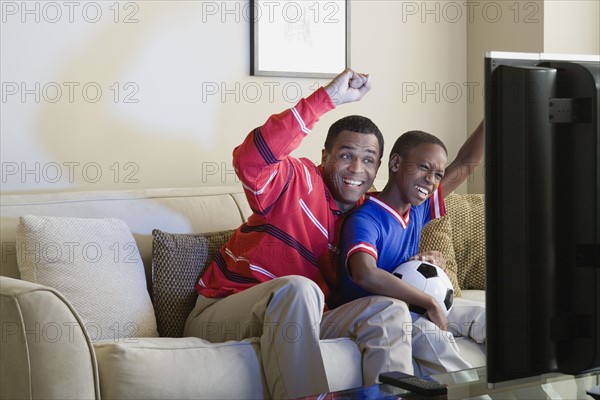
(351, 182)
(422, 190)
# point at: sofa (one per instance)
(95, 287)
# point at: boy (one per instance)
(385, 232)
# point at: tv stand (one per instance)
(473, 383)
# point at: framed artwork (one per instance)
(301, 38)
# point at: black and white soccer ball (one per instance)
(430, 279)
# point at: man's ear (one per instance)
(324, 155)
(394, 163)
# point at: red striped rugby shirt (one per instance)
(295, 219)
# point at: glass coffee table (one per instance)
(472, 384)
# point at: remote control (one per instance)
(413, 384)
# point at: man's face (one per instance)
(419, 173)
(350, 167)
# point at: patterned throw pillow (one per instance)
(178, 261)
(468, 236)
(460, 236)
(437, 235)
(95, 263)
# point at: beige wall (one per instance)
(572, 26)
(521, 29)
(548, 26)
(158, 93)
(185, 97)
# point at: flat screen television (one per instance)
(542, 202)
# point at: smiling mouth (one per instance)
(422, 190)
(352, 182)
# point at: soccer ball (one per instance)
(428, 278)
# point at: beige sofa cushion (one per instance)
(182, 210)
(180, 368)
(96, 265)
(159, 368)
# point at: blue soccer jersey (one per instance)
(378, 229)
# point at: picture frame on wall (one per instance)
(301, 38)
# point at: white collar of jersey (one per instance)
(402, 220)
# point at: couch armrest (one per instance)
(45, 351)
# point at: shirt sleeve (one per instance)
(263, 162)
(437, 207)
(359, 234)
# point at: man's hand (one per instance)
(433, 257)
(348, 86)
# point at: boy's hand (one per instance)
(348, 86)
(438, 316)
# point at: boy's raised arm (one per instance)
(468, 158)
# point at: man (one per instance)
(273, 277)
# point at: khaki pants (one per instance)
(435, 350)
(287, 314)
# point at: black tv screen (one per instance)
(542, 198)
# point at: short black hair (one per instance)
(411, 139)
(353, 123)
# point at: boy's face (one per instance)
(419, 173)
(350, 167)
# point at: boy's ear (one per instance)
(323, 156)
(394, 163)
